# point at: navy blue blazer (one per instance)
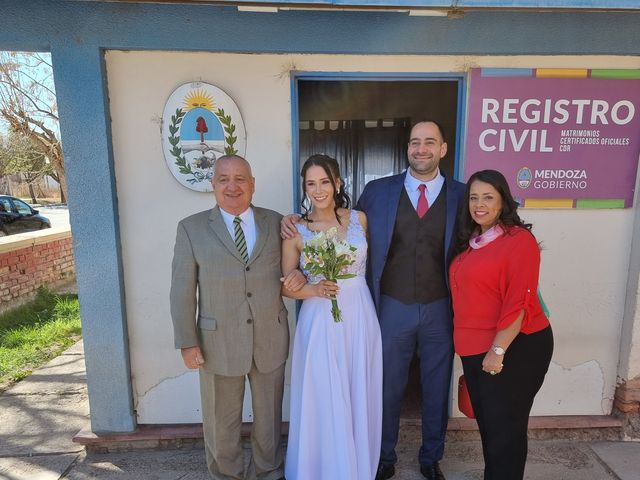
(379, 201)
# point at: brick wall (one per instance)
(28, 261)
(627, 399)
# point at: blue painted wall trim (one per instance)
(39, 24)
(546, 4)
(370, 76)
(77, 32)
(295, 142)
(461, 128)
(80, 87)
(461, 4)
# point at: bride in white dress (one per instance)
(336, 376)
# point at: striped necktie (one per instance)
(241, 243)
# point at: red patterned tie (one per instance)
(423, 205)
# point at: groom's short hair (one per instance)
(436, 123)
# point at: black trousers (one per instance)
(502, 402)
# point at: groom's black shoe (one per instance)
(432, 472)
(385, 471)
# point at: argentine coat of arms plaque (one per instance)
(200, 123)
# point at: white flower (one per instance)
(332, 234)
(343, 248)
(319, 240)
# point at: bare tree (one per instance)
(20, 154)
(28, 105)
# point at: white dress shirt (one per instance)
(434, 187)
(248, 226)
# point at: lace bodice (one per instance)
(355, 237)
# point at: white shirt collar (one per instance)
(433, 185)
(246, 216)
(247, 224)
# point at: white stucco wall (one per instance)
(585, 258)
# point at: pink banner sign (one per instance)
(562, 138)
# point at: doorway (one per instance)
(364, 122)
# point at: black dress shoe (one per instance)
(432, 472)
(385, 471)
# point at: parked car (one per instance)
(17, 217)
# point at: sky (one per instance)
(36, 67)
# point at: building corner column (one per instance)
(81, 90)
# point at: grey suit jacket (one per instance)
(232, 310)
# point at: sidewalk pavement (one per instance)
(40, 415)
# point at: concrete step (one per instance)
(571, 427)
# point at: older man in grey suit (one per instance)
(229, 321)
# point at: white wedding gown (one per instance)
(336, 380)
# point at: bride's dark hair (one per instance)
(331, 168)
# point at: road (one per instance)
(59, 215)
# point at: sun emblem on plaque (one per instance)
(200, 124)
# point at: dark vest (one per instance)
(414, 269)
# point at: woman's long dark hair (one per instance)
(331, 168)
(508, 215)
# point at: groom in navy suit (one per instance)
(412, 220)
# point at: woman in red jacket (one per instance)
(500, 330)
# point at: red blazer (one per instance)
(490, 286)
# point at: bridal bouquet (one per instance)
(326, 255)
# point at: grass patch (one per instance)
(34, 333)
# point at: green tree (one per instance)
(29, 108)
(22, 155)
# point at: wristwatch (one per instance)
(498, 350)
